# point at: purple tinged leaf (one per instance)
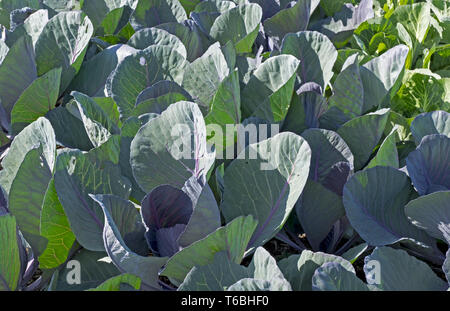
(429, 165)
(270, 7)
(166, 212)
(431, 213)
(374, 201)
(328, 149)
(317, 210)
(337, 177)
(167, 239)
(436, 122)
(305, 111)
(165, 207)
(315, 106)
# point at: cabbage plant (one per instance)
(218, 145)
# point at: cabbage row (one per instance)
(136, 153)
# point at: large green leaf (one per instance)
(55, 228)
(205, 218)
(9, 253)
(189, 5)
(146, 37)
(123, 213)
(299, 269)
(340, 27)
(171, 148)
(348, 93)
(128, 132)
(159, 96)
(374, 201)
(398, 271)
(380, 75)
(332, 276)
(69, 129)
(149, 13)
(40, 132)
(316, 53)
(269, 92)
(226, 103)
(225, 110)
(94, 268)
(251, 285)
(207, 12)
(432, 214)
(118, 283)
(215, 6)
(39, 98)
(195, 41)
(240, 25)
(63, 43)
(277, 170)
(222, 273)
(415, 18)
(305, 110)
(290, 20)
(203, 77)
(98, 10)
(264, 275)
(27, 194)
(93, 74)
(387, 155)
(99, 127)
(216, 276)
(331, 6)
(436, 122)
(20, 63)
(355, 252)
(141, 70)
(80, 174)
(362, 135)
(264, 267)
(233, 238)
(421, 91)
